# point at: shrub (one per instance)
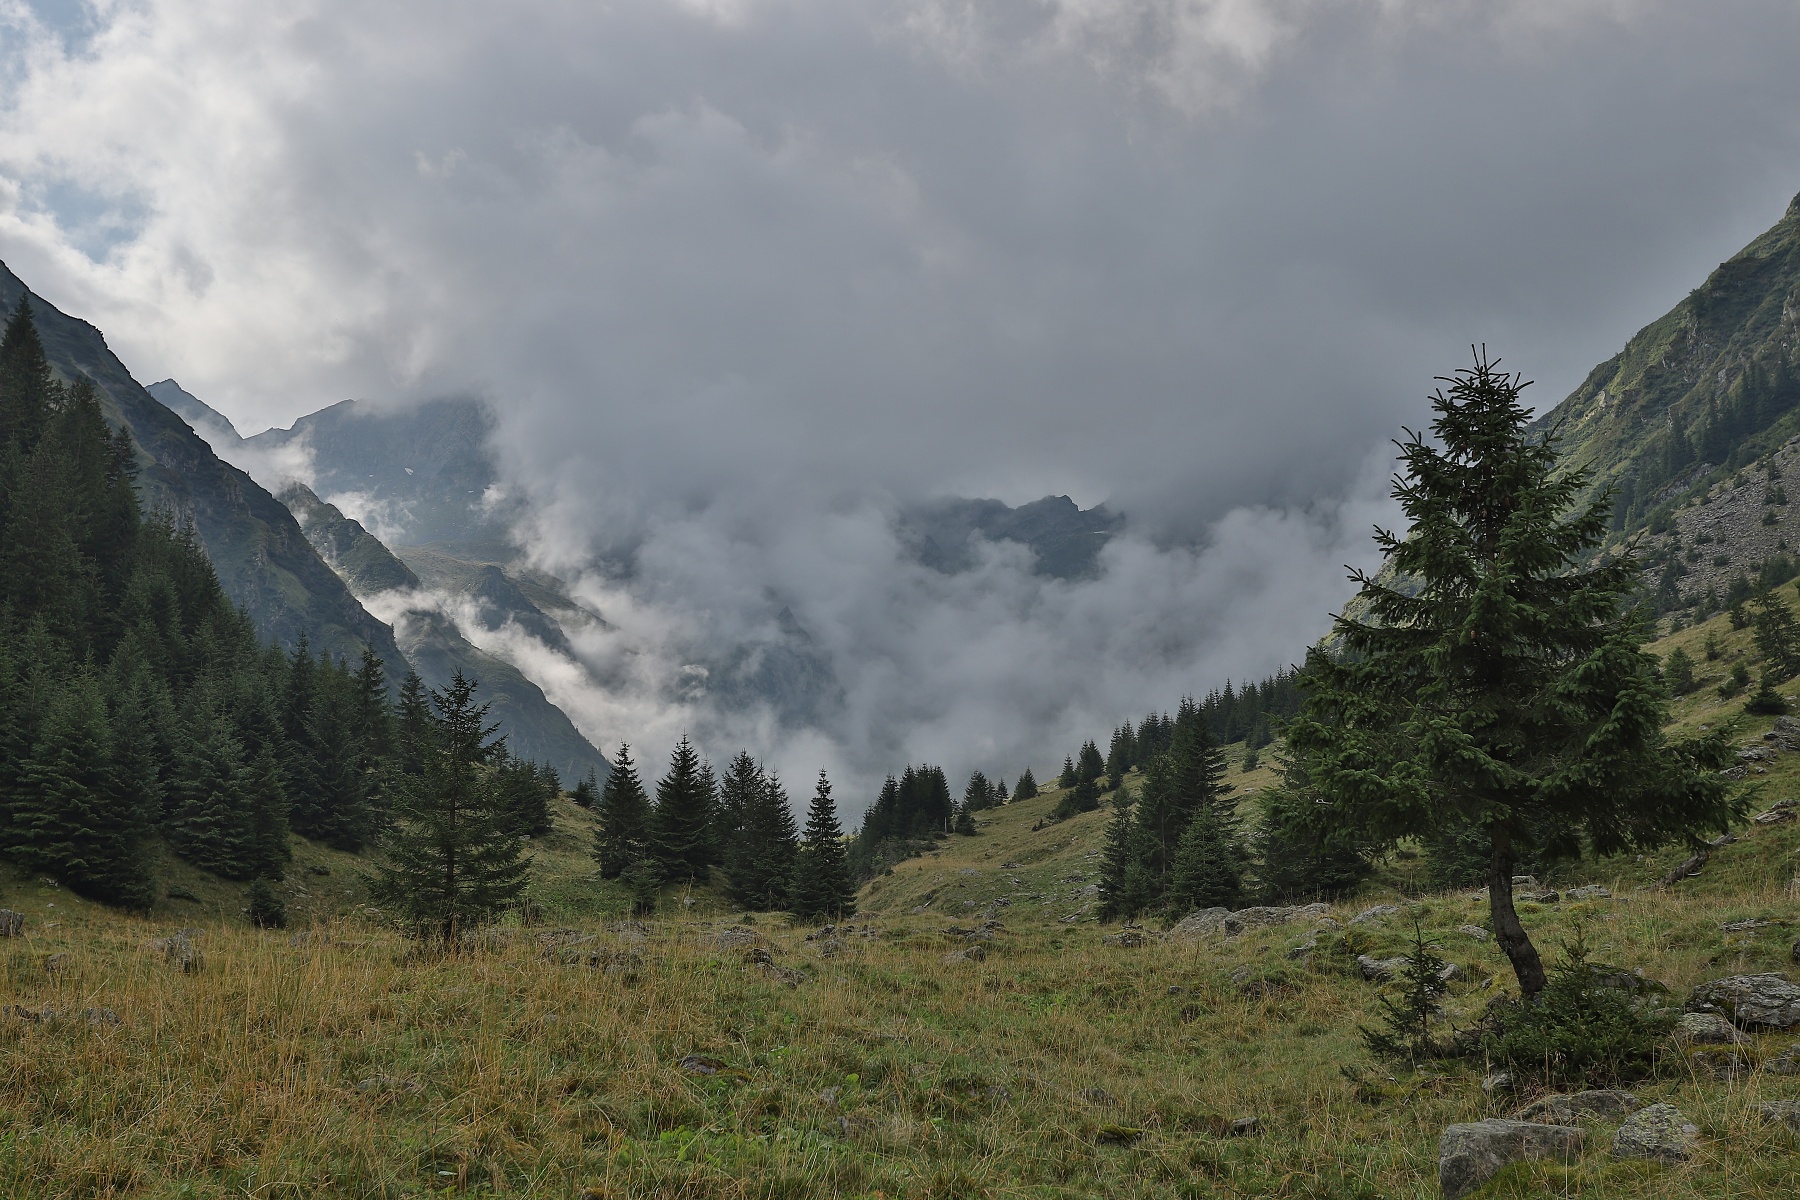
(1582, 1031)
(1406, 1033)
(266, 909)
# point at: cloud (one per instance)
(746, 277)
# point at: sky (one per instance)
(745, 278)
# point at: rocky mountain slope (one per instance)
(264, 562)
(534, 727)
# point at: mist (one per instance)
(744, 280)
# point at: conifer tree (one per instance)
(1777, 637)
(1504, 686)
(1069, 778)
(759, 861)
(978, 795)
(822, 886)
(1089, 767)
(413, 734)
(681, 826)
(1026, 788)
(450, 860)
(212, 826)
(622, 835)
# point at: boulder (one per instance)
(1780, 1112)
(1470, 1155)
(1205, 923)
(700, 1064)
(1591, 891)
(1369, 916)
(1785, 1063)
(1537, 897)
(1744, 926)
(1378, 970)
(1475, 931)
(1706, 1029)
(1659, 1133)
(1581, 1106)
(1127, 937)
(12, 924)
(738, 937)
(1209, 922)
(1751, 1001)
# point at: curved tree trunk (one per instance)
(1508, 930)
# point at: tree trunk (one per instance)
(1508, 931)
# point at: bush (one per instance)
(1083, 797)
(1766, 701)
(1406, 1036)
(1584, 1031)
(266, 909)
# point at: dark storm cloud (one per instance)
(746, 277)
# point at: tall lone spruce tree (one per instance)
(1493, 679)
(822, 886)
(452, 859)
(622, 837)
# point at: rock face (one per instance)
(1470, 1155)
(1578, 1106)
(1659, 1133)
(1750, 1001)
(1706, 1029)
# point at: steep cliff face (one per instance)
(263, 560)
(534, 727)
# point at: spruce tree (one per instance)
(1026, 788)
(759, 862)
(682, 825)
(1496, 680)
(978, 795)
(1069, 777)
(1777, 637)
(622, 834)
(212, 826)
(450, 861)
(822, 886)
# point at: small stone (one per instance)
(1543, 897)
(1452, 973)
(1246, 1126)
(100, 1016)
(12, 924)
(1370, 915)
(700, 1064)
(1128, 938)
(1579, 1106)
(1098, 1097)
(1499, 1081)
(1751, 1001)
(1470, 1155)
(1474, 931)
(1175, 989)
(1591, 891)
(1780, 1112)
(53, 963)
(1721, 1062)
(1299, 952)
(1744, 926)
(1659, 1133)
(972, 954)
(1706, 1029)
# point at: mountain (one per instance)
(264, 562)
(423, 472)
(1696, 422)
(534, 727)
(1065, 540)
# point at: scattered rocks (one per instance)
(1590, 891)
(783, 975)
(1126, 937)
(12, 924)
(1785, 811)
(1212, 921)
(1706, 1029)
(1475, 931)
(1581, 1106)
(1470, 1155)
(1751, 1001)
(1547, 896)
(1660, 1133)
(1379, 970)
(1369, 916)
(1452, 973)
(1779, 1112)
(738, 937)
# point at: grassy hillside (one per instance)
(961, 1037)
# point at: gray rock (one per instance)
(1452, 974)
(737, 938)
(1785, 1063)
(700, 1064)
(1211, 922)
(972, 954)
(1470, 1155)
(1098, 1097)
(180, 951)
(1706, 1029)
(1533, 897)
(12, 924)
(1127, 937)
(1780, 1112)
(1581, 1106)
(1475, 931)
(1751, 1001)
(1370, 915)
(1378, 970)
(1659, 1133)
(1744, 926)
(1499, 1081)
(1591, 891)
(1245, 1127)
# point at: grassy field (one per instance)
(703, 1054)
